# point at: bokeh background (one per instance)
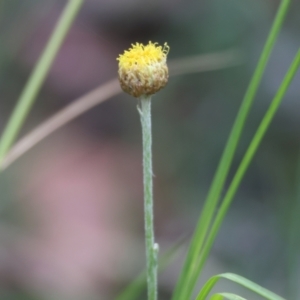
(71, 208)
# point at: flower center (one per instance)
(140, 55)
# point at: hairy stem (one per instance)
(151, 247)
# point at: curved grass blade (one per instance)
(239, 280)
(228, 296)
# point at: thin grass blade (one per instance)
(38, 76)
(264, 125)
(188, 277)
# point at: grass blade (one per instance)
(239, 280)
(228, 296)
(247, 159)
(187, 279)
(37, 77)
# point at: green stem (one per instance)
(37, 77)
(188, 276)
(264, 125)
(151, 246)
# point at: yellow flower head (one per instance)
(143, 69)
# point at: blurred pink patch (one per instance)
(79, 200)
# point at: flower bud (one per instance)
(143, 69)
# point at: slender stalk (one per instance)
(37, 77)
(264, 125)
(188, 276)
(151, 247)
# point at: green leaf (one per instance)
(228, 296)
(217, 297)
(239, 280)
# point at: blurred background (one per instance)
(71, 208)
